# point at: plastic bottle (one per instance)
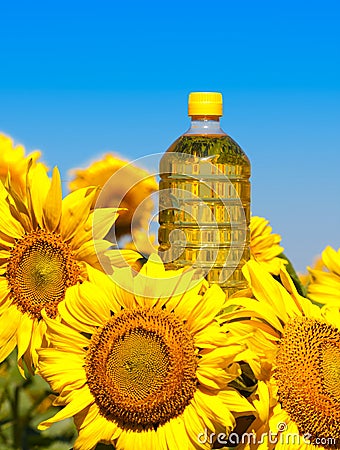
(204, 197)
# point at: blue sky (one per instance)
(81, 78)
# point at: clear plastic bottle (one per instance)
(204, 198)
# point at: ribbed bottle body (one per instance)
(204, 209)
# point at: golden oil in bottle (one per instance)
(204, 209)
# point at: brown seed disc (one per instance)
(308, 378)
(40, 269)
(141, 368)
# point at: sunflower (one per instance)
(123, 185)
(264, 245)
(45, 247)
(14, 163)
(305, 278)
(144, 368)
(324, 284)
(298, 347)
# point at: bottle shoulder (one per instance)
(221, 146)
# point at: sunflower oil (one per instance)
(204, 198)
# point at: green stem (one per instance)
(16, 419)
(296, 280)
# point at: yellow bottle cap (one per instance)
(205, 104)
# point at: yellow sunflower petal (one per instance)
(221, 357)
(4, 290)
(202, 315)
(296, 307)
(324, 280)
(207, 404)
(331, 259)
(264, 245)
(37, 340)
(196, 428)
(106, 285)
(7, 348)
(103, 220)
(38, 188)
(78, 403)
(257, 325)
(69, 339)
(188, 297)
(90, 250)
(213, 378)
(260, 224)
(24, 333)
(254, 308)
(53, 203)
(9, 322)
(237, 403)
(175, 434)
(75, 210)
(19, 210)
(94, 428)
(212, 338)
(267, 289)
(62, 371)
(123, 288)
(161, 285)
(122, 257)
(5, 304)
(85, 307)
(4, 254)
(8, 225)
(331, 312)
(261, 401)
(14, 163)
(325, 291)
(139, 441)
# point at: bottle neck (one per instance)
(205, 125)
